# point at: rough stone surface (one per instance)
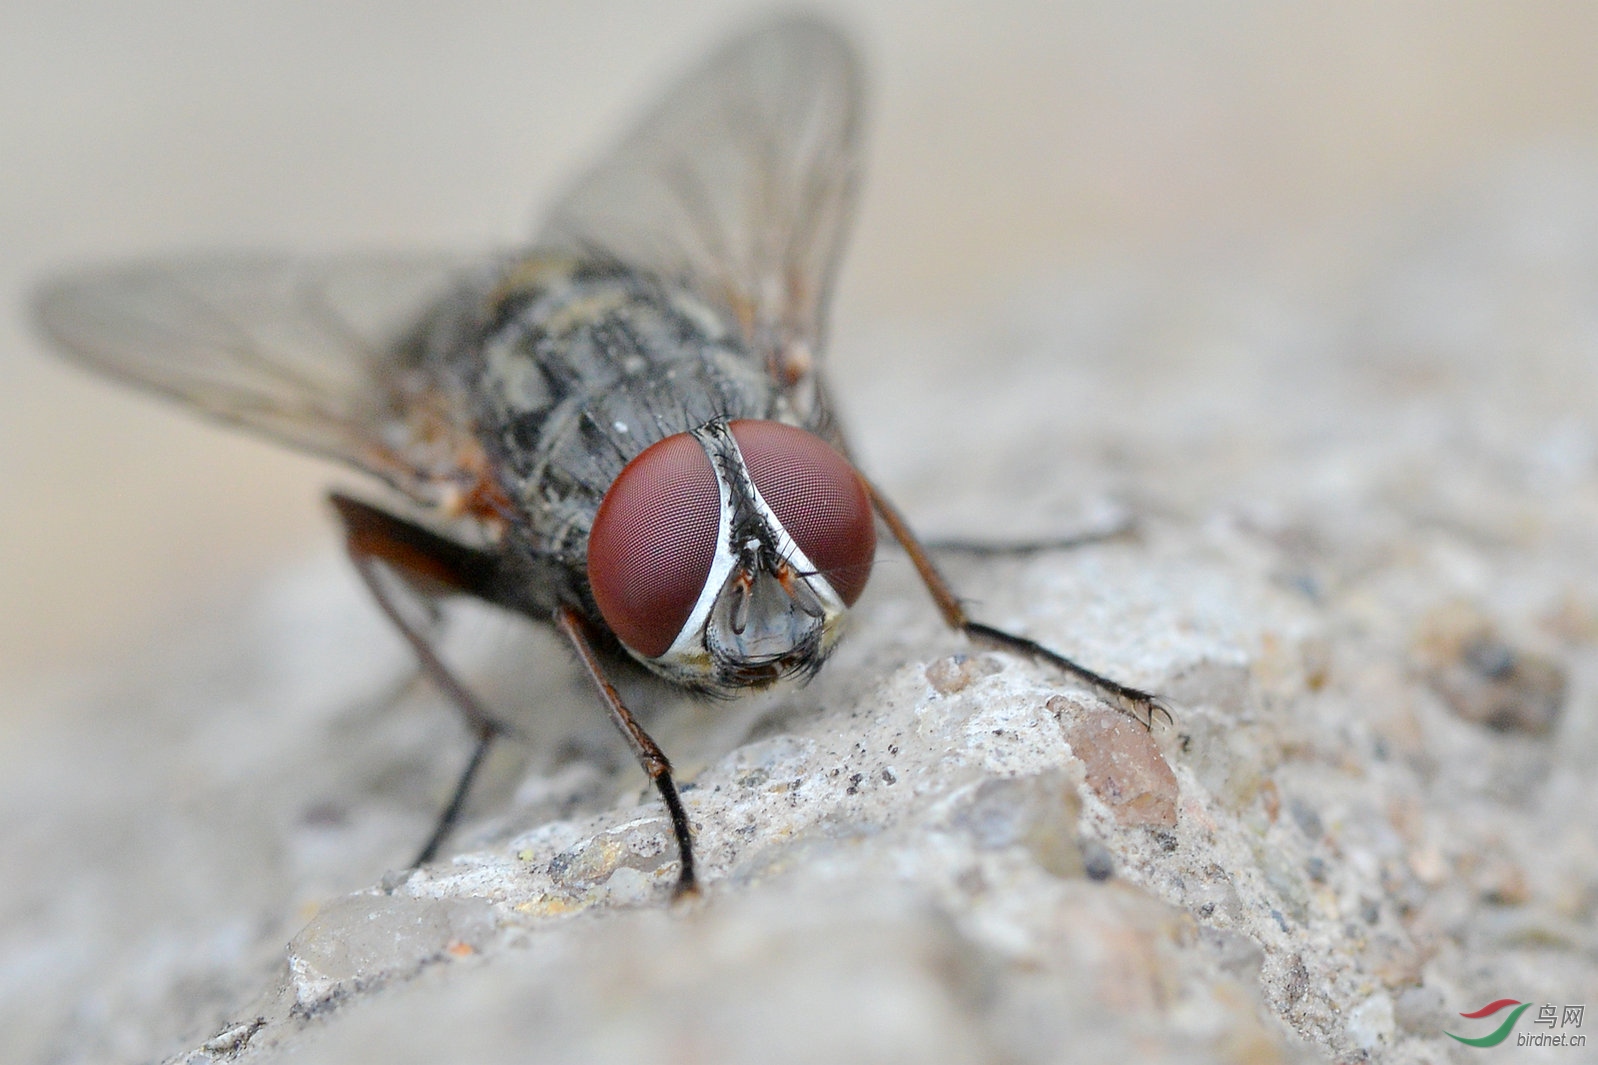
(1366, 500)
(1123, 766)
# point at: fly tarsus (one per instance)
(457, 801)
(1140, 705)
(1123, 529)
(687, 882)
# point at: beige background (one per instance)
(1029, 137)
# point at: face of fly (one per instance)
(726, 558)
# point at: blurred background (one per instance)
(1028, 138)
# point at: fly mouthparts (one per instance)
(799, 591)
(743, 587)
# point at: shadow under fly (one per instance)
(620, 430)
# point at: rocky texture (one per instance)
(1366, 504)
(1122, 766)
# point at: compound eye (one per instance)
(818, 497)
(653, 540)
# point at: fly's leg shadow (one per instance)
(1134, 702)
(399, 560)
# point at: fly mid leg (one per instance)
(1134, 702)
(383, 548)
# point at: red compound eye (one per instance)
(818, 497)
(652, 543)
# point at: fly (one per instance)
(620, 430)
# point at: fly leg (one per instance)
(653, 760)
(383, 548)
(1134, 702)
(1122, 527)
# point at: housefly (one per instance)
(621, 429)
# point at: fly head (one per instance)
(727, 557)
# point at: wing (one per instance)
(313, 354)
(741, 184)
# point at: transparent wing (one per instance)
(313, 354)
(740, 183)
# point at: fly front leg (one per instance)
(1134, 702)
(399, 561)
(576, 629)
